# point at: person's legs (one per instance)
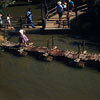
(28, 22)
(32, 24)
(60, 16)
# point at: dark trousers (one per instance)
(30, 23)
(60, 15)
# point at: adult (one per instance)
(59, 10)
(29, 18)
(65, 6)
(71, 6)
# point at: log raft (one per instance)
(70, 57)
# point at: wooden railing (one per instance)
(51, 12)
(19, 22)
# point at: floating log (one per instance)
(78, 59)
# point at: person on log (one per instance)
(29, 18)
(59, 10)
(23, 37)
(71, 6)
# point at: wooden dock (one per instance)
(53, 24)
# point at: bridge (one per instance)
(49, 17)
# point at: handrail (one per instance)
(51, 12)
(52, 9)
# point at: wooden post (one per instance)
(43, 23)
(4, 31)
(52, 42)
(79, 49)
(46, 9)
(48, 43)
(63, 24)
(83, 45)
(68, 18)
(76, 8)
(21, 23)
(59, 24)
(42, 13)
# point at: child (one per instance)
(9, 19)
(23, 36)
(1, 19)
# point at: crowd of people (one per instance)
(9, 17)
(63, 7)
(24, 39)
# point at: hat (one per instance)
(59, 2)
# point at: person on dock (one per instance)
(71, 6)
(9, 20)
(29, 18)
(24, 38)
(65, 6)
(1, 22)
(59, 10)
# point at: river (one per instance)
(27, 78)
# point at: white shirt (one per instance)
(21, 31)
(8, 18)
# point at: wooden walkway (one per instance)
(52, 24)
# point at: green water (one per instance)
(26, 78)
(17, 11)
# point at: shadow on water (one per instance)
(88, 44)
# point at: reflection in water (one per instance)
(26, 78)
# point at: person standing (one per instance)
(9, 20)
(71, 6)
(59, 10)
(29, 18)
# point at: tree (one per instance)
(5, 3)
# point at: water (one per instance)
(26, 78)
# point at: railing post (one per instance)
(83, 45)
(42, 13)
(43, 23)
(21, 23)
(48, 43)
(68, 18)
(63, 24)
(4, 31)
(76, 8)
(79, 49)
(46, 9)
(52, 42)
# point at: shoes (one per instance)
(33, 27)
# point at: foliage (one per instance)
(5, 3)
